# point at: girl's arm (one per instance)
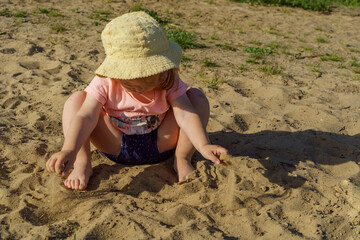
(189, 121)
(79, 131)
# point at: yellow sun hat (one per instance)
(136, 46)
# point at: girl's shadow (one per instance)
(281, 152)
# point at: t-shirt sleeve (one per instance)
(98, 88)
(177, 90)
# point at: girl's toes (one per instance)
(66, 183)
(75, 184)
(82, 186)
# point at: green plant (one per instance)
(243, 67)
(226, 46)
(315, 5)
(183, 38)
(214, 37)
(20, 14)
(5, 12)
(201, 76)
(252, 61)
(155, 15)
(212, 83)
(356, 78)
(59, 28)
(256, 53)
(305, 48)
(100, 15)
(316, 70)
(185, 58)
(354, 64)
(354, 50)
(274, 45)
(272, 30)
(209, 63)
(271, 69)
(52, 12)
(331, 57)
(321, 40)
(240, 30)
(257, 43)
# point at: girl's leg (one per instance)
(170, 135)
(103, 134)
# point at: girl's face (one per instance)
(142, 85)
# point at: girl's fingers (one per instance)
(66, 168)
(50, 164)
(212, 157)
(58, 166)
(215, 156)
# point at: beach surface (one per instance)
(283, 86)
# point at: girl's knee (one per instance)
(79, 95)
(77, 98)
(197, 96)
(200, 103)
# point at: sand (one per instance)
(293, 136)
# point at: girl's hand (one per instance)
(212, 152)
(61, 162)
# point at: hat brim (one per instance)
(132, 68)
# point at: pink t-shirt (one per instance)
(129, 114)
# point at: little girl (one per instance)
(136, 110)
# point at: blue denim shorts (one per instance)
(140, 149)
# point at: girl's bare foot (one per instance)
(183, 168)
(79, 177)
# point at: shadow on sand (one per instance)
(278, 151)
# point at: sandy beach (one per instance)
(284, 91)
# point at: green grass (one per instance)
(271, 69)
(256, 53)
(183, 38)
(321, 40)
(5, 12)
(354, 64)
(52, 12)
(257, 50)
(155, 15)
(212, 83)
(257, 43)
(209, 63)
(354, 50)
(100, 15)
(59, 29)
(356, 78)
(214, 37)
(331, 57)
(315, 5)
(226, 46)
(240, 30)
(20, 14)
(274, 45)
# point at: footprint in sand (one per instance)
(13, 102)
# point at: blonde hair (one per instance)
(170, 80)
